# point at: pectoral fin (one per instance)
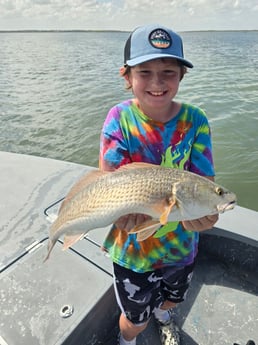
(69, 240)
(167, 210)
(145, 229)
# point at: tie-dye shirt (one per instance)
(184, 142)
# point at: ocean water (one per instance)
(57, 87)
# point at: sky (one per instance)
(180, 15)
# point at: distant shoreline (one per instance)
(25, 31)
(64, 31)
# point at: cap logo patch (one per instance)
(159, 38)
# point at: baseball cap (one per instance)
(152, 42)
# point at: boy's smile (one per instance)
(157, 94)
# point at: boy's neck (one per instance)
(161, 115)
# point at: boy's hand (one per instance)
(130, 221)
(201, 224)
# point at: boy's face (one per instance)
(155, 83)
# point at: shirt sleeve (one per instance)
(113, 146)
(201, 156)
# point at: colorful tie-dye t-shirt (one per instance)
(184, 142)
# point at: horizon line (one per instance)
(116, 30)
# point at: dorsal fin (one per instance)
(137, 165)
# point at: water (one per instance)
(57, 87)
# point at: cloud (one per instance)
(127, 14)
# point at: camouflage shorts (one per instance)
(138, 294)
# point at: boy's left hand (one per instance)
(201, 224)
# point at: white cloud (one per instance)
(127, 14)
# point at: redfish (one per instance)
(99, 198)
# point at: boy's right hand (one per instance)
(129, 221)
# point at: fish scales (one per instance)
(119, 190)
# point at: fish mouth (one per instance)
(226, 207)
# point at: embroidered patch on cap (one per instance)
(159, 38)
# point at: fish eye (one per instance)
(219, 191)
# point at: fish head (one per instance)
(226, 200)
(200, 197)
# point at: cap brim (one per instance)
(141, 59)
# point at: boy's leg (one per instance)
(174, 287)
(137, 295)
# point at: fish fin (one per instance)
(137, 165)
(164, 208)
(144, 226)
(84, 181)
(145, 229)
(50, 248)
(147, 232)
(168, 209)
(69, 240)
(143, 235)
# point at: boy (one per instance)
(152, 276)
